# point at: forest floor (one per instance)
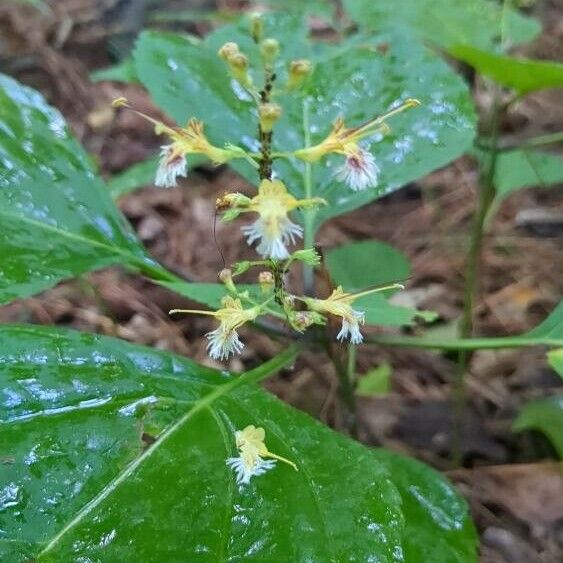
(513, 485)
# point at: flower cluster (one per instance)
(277, 214)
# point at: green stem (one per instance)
(464, 344)
(486, 196)
(308, 214)
(351, 365)
(346, 388)
(539, 141)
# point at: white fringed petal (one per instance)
(359, 171)
(273, 241)
(171, 166)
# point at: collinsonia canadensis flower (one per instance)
(183, 141)
(339, 303)
(252, 451)
(273, 228)
(224, 340)
(359, 170)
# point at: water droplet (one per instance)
(9, 496)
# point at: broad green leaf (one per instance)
(58, 220)
(424, 492)
(524, 168)
(113, 452)
(120, 72)
(468, 22)
(360, 265)
(555, 359)
(141, 174)
(376, 381)
(358, 83)
(209, 294)
(136, 176)
(522, 75)
(545, 416)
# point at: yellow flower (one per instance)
(339, 303)
(360, 170)
(252, 451)
(273, 228)
(224, 340)
(184, 140)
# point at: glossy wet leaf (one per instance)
(466, 22)
(545, 416)
(112, 452)
(58, 220)
(424, 493)
(361, 265)
(522, 75)
(359, 80)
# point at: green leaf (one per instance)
(359, 82)
(468, 22)
(121, 72)
(360, 265)
(136, 176)
(522, 75)
(112, 451)
(555, 359)
(376, 381)
(58, 220)
(424, 493)
(545, 416)
(209, 294)
(142, 174)
(524, 168)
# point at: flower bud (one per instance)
(298, 72)
(120, 102)
(270, 49)
(231, 200)
(241, 267)
(308, 255)
(226, 278)
(228, 50)
(301, 320)
(256, 26)
(266, 281)
(269, 114)
(238, 64)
